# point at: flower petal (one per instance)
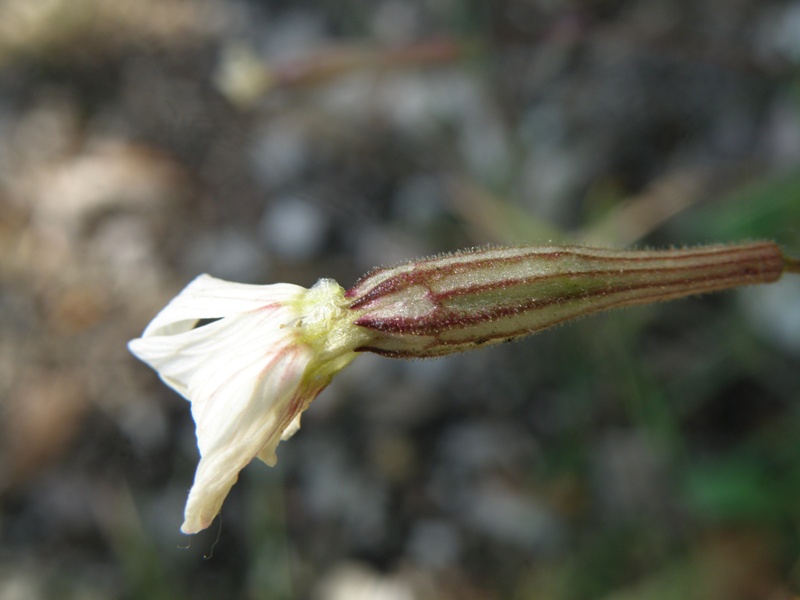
(207, 297)
(230, 440)
(245, 377)
(249, 374)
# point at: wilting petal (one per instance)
(249, 374)
(207, 297)
(239, 421)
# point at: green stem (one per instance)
(791, 265)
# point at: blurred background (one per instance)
(648, 454)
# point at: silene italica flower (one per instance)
(251, 358)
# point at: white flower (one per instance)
(249, 374)
(269, 350)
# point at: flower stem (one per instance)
(791, 265)
(455, 302)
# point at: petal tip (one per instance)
(193, 527)
(197, 521)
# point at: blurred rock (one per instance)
(781, 135)
(434, 543)
(356, 582)
(226, 253)
(781, 31)
(109, 176)
(774, 312)
(60, 29)
(628, 477)
(484, 445)
(395, 22)
(419, 202)
(293, 229)
(336, 489)
(21, 584)
(280, 153)
(514, 518)
(41, 417)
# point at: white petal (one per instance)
(231, 437)
(181, 358)
(244, 375)
(249, 374)
(207, 297)
(291, 429)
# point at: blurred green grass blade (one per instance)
(735, 491)
(768, 208)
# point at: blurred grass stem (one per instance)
(791, 265)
